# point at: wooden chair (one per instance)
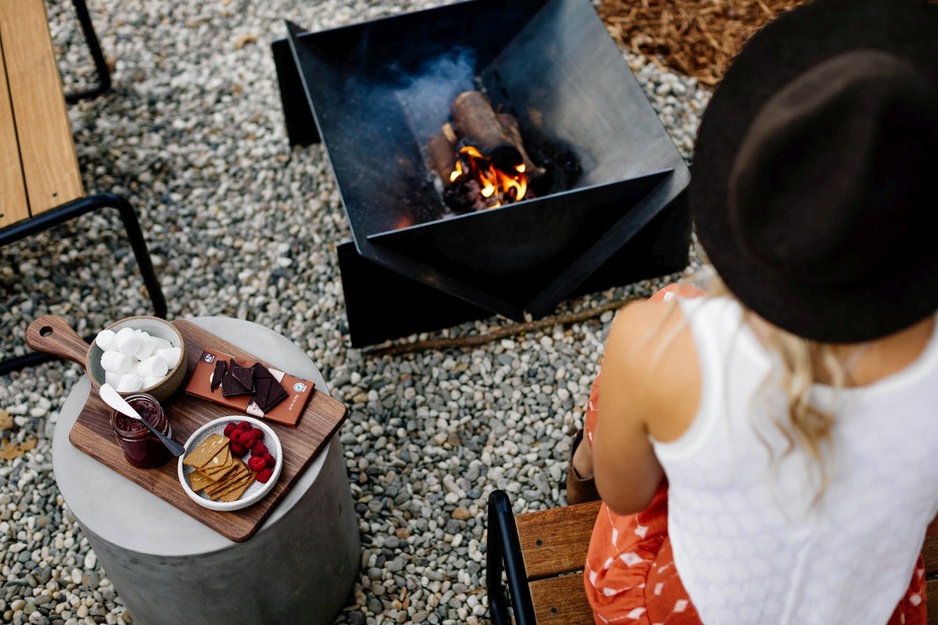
(541, 555)
(40, 180)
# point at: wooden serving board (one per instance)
(93, 435)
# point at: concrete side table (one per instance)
(168, 568)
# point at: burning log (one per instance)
(441, 151)
(494, 135)
(480, 156)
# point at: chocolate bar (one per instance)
(274, 395)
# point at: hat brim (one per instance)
(773, 57)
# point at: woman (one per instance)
(765, 453)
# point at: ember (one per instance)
(480, 157)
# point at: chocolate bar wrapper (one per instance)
(287, 412)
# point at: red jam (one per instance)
(141, 447)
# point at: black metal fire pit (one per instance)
(374, 93)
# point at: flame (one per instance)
(497, 186)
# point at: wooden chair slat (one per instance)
(555, 541)
(44, 135)
(561, 601)
(13, 205)
(930, 555)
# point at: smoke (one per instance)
(427, 94)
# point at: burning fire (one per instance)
(497, 186)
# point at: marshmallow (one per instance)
(115, 361)
(128, 341)
(160, 343)
(130, 383)
(170, 354)
(105, 340)
(147, 346)
(149, 380)
(154, 366)
(112, 377)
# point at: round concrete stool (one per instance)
(168, 568)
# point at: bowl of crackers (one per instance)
(230, 463)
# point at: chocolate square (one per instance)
(261, 372)
(230, 386)
(244, 375)
(274, 395)
(261, 385)
(267, 390)
(221, 368)
(238, 381)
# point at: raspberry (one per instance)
(247, 441)
(235, 436)
(230, 428)
(264, 476)
(237, 449)
(257, 464)
(270, 460)
(245, 425)
(259, 449)
(257, 433)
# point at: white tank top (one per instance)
(749, 544)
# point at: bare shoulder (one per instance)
(639, 327)
(650, 349)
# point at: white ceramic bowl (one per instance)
(154, 326)
(257, 490)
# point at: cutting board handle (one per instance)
(53, 335)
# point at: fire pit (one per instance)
(378, 92)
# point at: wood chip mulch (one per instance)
(696, 38)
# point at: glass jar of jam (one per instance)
(141, 447)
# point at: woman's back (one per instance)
(750, 542)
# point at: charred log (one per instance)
(441, 151)
(495, 135)
(464, 195)
(479, 156)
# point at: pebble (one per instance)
(193, 135)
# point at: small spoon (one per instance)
(112, 398)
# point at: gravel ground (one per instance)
(242, 225)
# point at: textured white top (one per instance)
(749, 544)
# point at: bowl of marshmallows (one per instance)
(139, 355)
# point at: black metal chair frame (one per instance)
(503, 555)
(100, 65)
(80, 206)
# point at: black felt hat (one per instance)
(816, 166)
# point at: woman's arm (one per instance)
(650, 384)
(625, 467)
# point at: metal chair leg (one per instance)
(503, 554)
(71, 210)
(139, 246)
(100, 64)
